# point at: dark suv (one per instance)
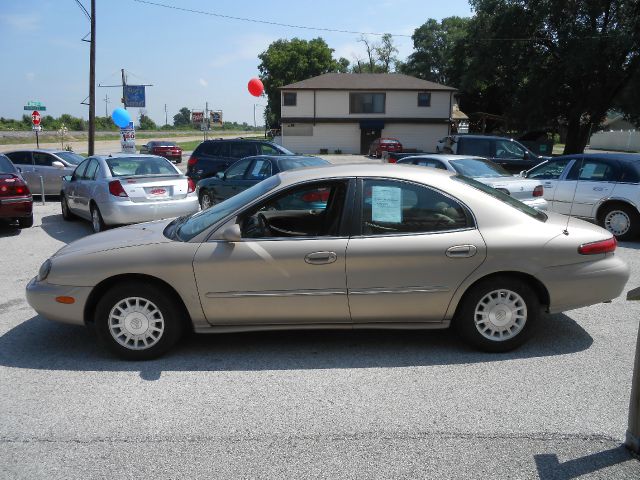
(506, 152)
(213, 156)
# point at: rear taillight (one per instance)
(11, 187)
(116, 189)
(538, 191)
(192, 161)
(594, 248)
(321, 196)
(192, 185)
(391, 160)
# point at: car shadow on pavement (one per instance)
(67, 232)
(8, 230)
(41, 344)
(550, 468)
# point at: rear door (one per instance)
(83, 188)
(234, 180)
(549, 174)
(52, 176)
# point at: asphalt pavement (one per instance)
(309, 404)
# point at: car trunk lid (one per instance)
(155, 188)
(521, 189)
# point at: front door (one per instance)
(289, 267)
(416, 247)
(368, 135)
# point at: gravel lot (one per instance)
(309, 404)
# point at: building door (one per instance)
(368, 135)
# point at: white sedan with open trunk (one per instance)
(122, 189)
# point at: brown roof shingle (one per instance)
(365, 81)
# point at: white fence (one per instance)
(622, 140)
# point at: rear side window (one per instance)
(20, 158)
(42, 159)
(79, 171)
(241, 150)
(260, 170)
(479, 147)
(392, 207)
(266, 149)
(206, 148)
(425, 162)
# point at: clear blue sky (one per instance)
(190, 58)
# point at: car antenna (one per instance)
(566, 228)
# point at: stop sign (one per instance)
(35, 117)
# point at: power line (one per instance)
(253, 20)
(83, 9)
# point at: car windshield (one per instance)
(503, 197)
(72, 158)
(198, 222)
(141, 166)
(478, 168)
(6, 166)
(291, 163)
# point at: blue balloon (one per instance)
(121, 117)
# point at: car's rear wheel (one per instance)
(206, 200)
(96, 219)
(66, 212)
(498, 314)
(138, 321)
(621, 220)
(26, 222)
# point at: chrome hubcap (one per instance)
(500, 315)
(617, 222)
(136, 323)
(206, 201)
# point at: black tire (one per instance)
(64, 206)
(123, 341)
(179, 161)
(505, 307)
(97, 223)
(621, 220)
(206, 199)
(25, 222)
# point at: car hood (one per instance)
(130, 236)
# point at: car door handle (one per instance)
(599, 189)
(320, 258)
(461, 251)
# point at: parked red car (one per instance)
(169, 150)
(380, 145)
(16, 202)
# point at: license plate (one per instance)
(157, 192)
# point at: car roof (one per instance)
(38, 150)
(621, 157)
(490, 137)
(443, 156)
(283, 157)
(212, 140)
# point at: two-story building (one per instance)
(347, 111)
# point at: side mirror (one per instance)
(57, 164)
(220, 175)
(19, 169)
(523, 174)
(526, 155)
(231, 233)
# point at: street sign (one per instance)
(36, 128)
(35, 106)
(134, 96)
(35, 117)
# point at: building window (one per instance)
(424, 99)
(366, 102)
(289, 99)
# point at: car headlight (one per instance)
(45, 268)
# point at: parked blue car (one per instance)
(247, 172)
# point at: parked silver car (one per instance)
(388, 247)
(51, 165)
(602, 187)
(122, 189)
(527, 191)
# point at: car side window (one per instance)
(42, 159)
(508, 149)
(593, 171)
(550, 170)
(209, 148)
(310, 210)
(92, 168)
(266, 149)
(392, 207)
(430, 163)
(260, 170)
(241, 150)
(20, 158)
(478, 147)
(80, 169)
(236, 171)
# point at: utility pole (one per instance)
(124, 84)
(92, 80)
(106, 105)
(254, 117)
(166, 121)
(206, 119)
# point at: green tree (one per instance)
(289, 61)
(182, 118)
(145, 123)
(538, 62)
(381, 56)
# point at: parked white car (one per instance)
(529, 192)
(602, 187)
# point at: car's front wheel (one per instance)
(621, 220)
(138, 321)
(498, 314)
(64, 205)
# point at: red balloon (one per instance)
(255, 87)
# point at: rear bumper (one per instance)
(42, 298)
(14, 207)
(126, 212)
(539, 203)
(583, 284)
